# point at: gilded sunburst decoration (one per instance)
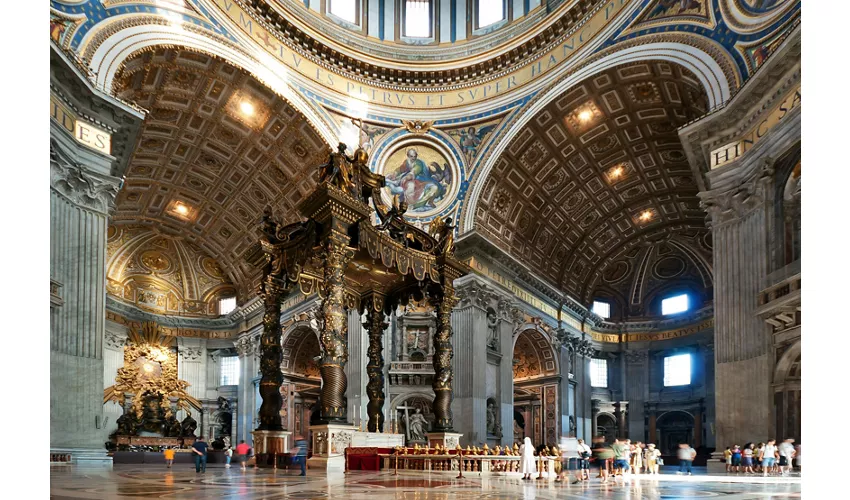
(150, 372)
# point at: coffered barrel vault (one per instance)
(198, 150)
(597, 175)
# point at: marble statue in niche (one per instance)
(492, 330)
(493, 426)
(417, 425)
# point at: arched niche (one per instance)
(606, 426)
(787, 396)
(673, 428)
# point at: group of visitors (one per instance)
(200, 450)
(766, 458)
(625, 457)
(243, 452)
(621, 457)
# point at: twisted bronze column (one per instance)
(271, 357)
(443, 360)
(336, 256)
(375, 324)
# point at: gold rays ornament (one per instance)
(150, 370)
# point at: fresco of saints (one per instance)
(418, 184)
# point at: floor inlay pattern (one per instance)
(151, 481)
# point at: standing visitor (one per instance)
(637, 457)
(652, 456)
(602, 453)
(621, 457)
(585, 453)
(528, 467)
(686, 458)
(200, 451)
(727, 456)
(736, 458)
(168, 453)
(768, 456)
(242, 450)
(747, 458)
(797, 457)
(786, 456)
(757, 457)
(300, 453)
(228, 455)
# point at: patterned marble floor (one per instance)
(126, 481)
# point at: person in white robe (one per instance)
(527, 464)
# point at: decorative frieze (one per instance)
(191, 353)
(114, 340)
(635, 357)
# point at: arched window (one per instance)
(417, 19)
(347, 10)
(489, 12)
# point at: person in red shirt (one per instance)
(242, 451)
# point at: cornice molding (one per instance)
(297, 39)
(758, 94)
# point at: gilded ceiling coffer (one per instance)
(353, 263)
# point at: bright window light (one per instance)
(345, 10)
(673, 305)
(598, 372)
(230, 370)
(602, 309)
(417, 18)
(490, 12)
(677, 370)
(226, 306)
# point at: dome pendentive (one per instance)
(163, 274)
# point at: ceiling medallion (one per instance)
(421, 172)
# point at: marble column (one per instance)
(355, 368)
(506, 327)
(741, 340)
(636, 391)
(620, 411)
(80, 201)
(247, 347)
(469, 324)
(653, 426)
(594, 412)
(83, 185)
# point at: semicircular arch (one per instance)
(710, 74)
(107, 56)
(533, 355)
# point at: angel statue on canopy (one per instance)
(444, 232)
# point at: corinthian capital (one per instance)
(84, 189)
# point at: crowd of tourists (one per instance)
(624, 457)
(765, 458)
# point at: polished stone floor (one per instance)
(126, 481)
